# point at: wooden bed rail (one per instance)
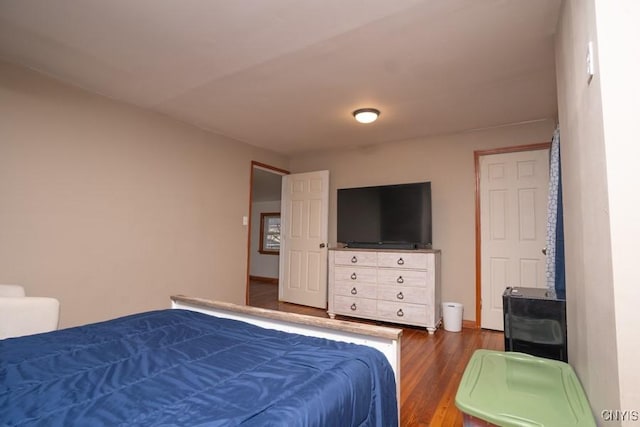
(302, 319)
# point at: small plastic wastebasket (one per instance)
(452, 316)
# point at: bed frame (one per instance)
(384, 339)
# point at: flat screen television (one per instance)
(386, 216)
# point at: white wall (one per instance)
(618, 35)
(262, 265)
(600, 130)
(111, 208)
(446, 161)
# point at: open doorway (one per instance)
(264, 214)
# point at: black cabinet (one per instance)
(535, 322)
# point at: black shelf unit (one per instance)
(535, 322)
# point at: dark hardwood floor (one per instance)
(431, 365)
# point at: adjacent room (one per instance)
(150, 149)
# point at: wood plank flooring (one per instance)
(431, 365)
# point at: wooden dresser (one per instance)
(399, 286)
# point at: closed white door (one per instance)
(304, 233)
(513, 215)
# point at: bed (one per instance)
(203, 363)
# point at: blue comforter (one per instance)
(176, 367)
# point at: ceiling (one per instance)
(286, 74)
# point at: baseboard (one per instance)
(272, 280)
(469, 324)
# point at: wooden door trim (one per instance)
(278, 171)
(265, 166)
(476, 155)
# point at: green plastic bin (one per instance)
(516, 389)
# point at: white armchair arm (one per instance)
(27, 315)
(11, 291)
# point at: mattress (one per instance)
(182, 368)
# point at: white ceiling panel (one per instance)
(286, 74)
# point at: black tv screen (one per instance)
(391, 216)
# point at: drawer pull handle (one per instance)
(399, 296)
(353, 307)
(400, 261)
(354, 259)
(400, 313)
(353, 276)
(354, 291)
(400, 279)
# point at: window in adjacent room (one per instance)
(269, 233)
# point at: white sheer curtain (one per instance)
(554, 210)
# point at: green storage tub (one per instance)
(516, 389)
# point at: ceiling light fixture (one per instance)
(366, 115)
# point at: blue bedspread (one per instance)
(176, 367)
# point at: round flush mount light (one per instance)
(366, 115)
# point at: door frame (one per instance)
(277, 171)
(476, 155)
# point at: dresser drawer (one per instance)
(352, 306)
(403, 294)
(358, 258)
(354, 274)
(414, 314)
(406, 260)
(387, 276)
(359, 290)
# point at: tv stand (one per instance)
(392, 285)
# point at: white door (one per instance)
(303, 247)
(513, 217)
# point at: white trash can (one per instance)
(452, 316)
